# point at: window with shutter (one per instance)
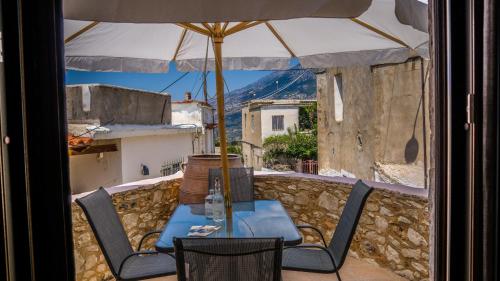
(278, 122)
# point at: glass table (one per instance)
(260, 218)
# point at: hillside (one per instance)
(302, 85)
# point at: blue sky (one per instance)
(157, 81)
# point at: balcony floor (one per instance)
(353, 270)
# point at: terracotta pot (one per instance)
(194, 186)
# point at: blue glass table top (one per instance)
(260, 218)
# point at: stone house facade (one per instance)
(263, 118)
(373, 122)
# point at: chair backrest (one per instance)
(241, 181)
(344, 232)
(228, 259)
(107, 227)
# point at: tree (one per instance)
(308, 118)
(290, 147)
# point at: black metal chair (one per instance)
(123, 261)
(329, 259)
(241, 180)
(228, 259)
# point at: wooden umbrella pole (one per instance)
(219, 82)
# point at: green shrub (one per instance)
(234, 149)
(290, 147)
(308, 118)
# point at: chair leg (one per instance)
(338, 275)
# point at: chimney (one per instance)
(187, 96)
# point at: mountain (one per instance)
(294, 83)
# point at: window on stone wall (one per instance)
(252, 122)
(338, 98)
(278, 122)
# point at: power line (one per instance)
(196, 81)
(283, 88)
(176, 80)
(219, 63)
(88, 131)
(199, 88)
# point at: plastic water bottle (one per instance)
(209, 204)
(218, 203)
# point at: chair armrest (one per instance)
(132, 255)
(138, 254)
(301, 226)
(146, 236)
(315, 246)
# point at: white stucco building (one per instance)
(118, 135)
(263, 118)
(191, 112)
(133, 153)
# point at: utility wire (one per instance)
(199, 88)
(196, 81)
(205, 91)
(284, 87)
(176, 80)
(219, 63)
(95, 128)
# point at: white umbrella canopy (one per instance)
(375, 37)
(145, 35)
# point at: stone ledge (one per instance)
(142, 184)
(403, 189)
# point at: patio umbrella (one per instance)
(118, 35)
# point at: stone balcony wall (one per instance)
(393, 231)
(141, 209)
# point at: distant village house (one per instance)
(263, 118)
(119, 135)
(189, 112)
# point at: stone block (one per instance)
(416, 238)
(328, 201)
(302, 198)
(381, 224)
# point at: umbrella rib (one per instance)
(195, 28)
(241, 26)
(81, 31)
(380, 32)
(224, 27)
(207, 26)
(181, 39)
(278, 36)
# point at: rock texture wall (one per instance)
(141, 210)
(393, 231)
(382, 118)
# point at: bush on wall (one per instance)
(288, 148)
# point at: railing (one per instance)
(307, 167)
(310, 167)
(171, 167)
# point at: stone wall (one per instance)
(110, 105)
(393, 231)
(141, 210)
(382, 120)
